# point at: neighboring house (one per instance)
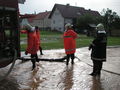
(62, 14)
(26, 19)
(42, 20)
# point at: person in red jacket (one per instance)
(69, 42)
(38, 36)
(32, 43)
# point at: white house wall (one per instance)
(68, 21)
(47, 22)
(35, 23)
(57, 21)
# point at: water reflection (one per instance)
(68, 79)
(35, 79)
(96, 83)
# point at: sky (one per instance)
(32, 6)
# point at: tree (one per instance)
(109, 17)
(84, 20)
(116, 23)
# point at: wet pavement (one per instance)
(113, 58)
(58, 76)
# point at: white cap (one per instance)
(100, 26)
(68, 25)
(33, 29)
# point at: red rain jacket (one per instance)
(69, 41)
(38, 36)
(32, 42)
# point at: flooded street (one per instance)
(58, 76)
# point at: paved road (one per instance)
(58, 76)
(113, 59)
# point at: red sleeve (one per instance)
(74, 34)
(24, 31)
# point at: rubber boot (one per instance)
(40, 51)
(67, 62)
(33, 64)
(72, 62)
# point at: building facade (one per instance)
(42, 21)
(62, 14)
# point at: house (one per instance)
(26, 18)
(42, 21)
(62, 14)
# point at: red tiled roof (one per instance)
(30, 20)
(27, 15)
(30, 17)
(42, 15)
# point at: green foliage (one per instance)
(110, 19)
(84, 20)
(116, 23)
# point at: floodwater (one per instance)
(57, 76)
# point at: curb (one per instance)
(117, 46)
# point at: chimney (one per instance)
(67, 4)
(89, 9)
(34, 12)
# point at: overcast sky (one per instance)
(31, 6)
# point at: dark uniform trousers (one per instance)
(34, 59)
(97, 66)
(72, 56)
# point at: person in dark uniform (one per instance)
(98, 53)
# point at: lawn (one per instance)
(54, 40)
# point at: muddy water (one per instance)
(58, 76)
